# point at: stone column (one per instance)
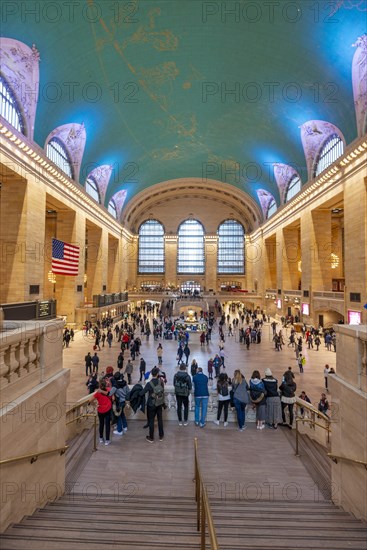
(22, 234)
(113, 282)
(355, 242)
(94, 267)
(170, 253)
(211, 253)
(70, 229)
(290, 258)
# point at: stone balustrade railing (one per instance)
(27, 354)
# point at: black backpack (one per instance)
(157, 394)
(223, 390)
(181, 386)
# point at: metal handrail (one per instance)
(335, 459)
(86, 415)
(33, 457)
(314, 423)
(204, 514)
(305, 405)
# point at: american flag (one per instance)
(65, 258)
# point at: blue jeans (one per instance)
(121, 420)
(201, 403)
(241, 411)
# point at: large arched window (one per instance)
(190, 257)
(231, 258)
(151, 247)
(57, 152)
(9, 107)
(332, 149)
(272, 208)
(91, 188)
(112, 208)
(294, 186)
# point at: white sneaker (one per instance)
(117, 433)
(225, 424)
(101, 440)
(262, 427)
(180, 423)
(186, 423)
(125, 430)
(107, 442)
(216, 422)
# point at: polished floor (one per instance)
(253, 464)
(259, 356)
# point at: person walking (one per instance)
(183, 386)
(95, 362)
(210, 368)
(240, 398)
(326, 374)
(201, 394)
(155, 402)
(301, 362)
(194, 367)
(217, 364)
(273, 405)
(142, 368)
(187, 352)
(129, 370)
(160, 354)
(88, 364)
(223, 399)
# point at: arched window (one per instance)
(294, 186)
(112, 208)
(9, 107)
(272, 208)
(151, 247)
(332, 149)
(91, 188)
(231, 258)
(57, 152)
(190, 257)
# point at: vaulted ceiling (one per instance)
(172, 89)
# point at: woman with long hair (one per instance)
(240, 398)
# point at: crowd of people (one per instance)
(272, 401)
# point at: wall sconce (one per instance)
(51, 277)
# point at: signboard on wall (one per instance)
(354, 317)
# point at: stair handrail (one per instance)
(204, 514)
(335, 459)
(87, 415)
(34, 456)
(305, 405)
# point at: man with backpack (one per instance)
(183, 385)
(155, 403)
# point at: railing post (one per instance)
(202, 520)
(95, 432)
(297, 453)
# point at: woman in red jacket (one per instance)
(104, 411)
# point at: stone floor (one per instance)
(260, 356)
(252, 464)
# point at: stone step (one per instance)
(87, 535)
(137, 524)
